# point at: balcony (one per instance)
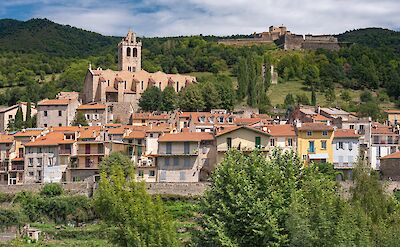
(343, 165)
(65, 151)
(17, 167)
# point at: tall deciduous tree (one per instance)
(135, 217)
(150, 99)
(211, 97)
(169, 99)
(191, 99)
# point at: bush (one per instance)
(52, 189)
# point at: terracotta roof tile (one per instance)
(92, 107)
(28, 133)
(314, 127)
(226, 130)
(186, 136)
(136, 135)
(48, 102)
(392, 156)
(392, 111)
(346, 133)
(50, 139)
(280, 130)
(6, 138)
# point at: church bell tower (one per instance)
(129, 53)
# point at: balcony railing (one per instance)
(343, 165)
(17, 167)
(65, 151)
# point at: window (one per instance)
(272, 141)
(87, 148)
(30, 174)
(169, 148)
(152, 173)
(182, 176)
(30, 162)
(163, 175)
(186, 147)
(134, 52)
(166, 161)
(186, 162)
(59, 124)
(151, 134)
(45, 113)
(304, 157)
(128, 51)
(141, 85)
(88, 162)
(324, 133)
(87, 116)
(10, 116)
(340, 145)
(230, 120)
(258, 142)
(177, 86)
(309, 133)
(290, 142)
(311, 147)
(350, 146)
(45, 125)
(323, 144)
(351, 126)
(141, 173)
(229, 142)
(59, 113)
(159, 85)
(176, 161)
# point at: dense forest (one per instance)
(44, 57)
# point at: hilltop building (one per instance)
(287, 40)
(121, 90)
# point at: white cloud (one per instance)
(220, 17)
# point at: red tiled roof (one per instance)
(280, 130)
(392, 156)
(247, 121)
(50, 139)
(136, 135)
(48, 102)
(346, 133)
(314, 127)
(392, 111)
(92, 107)
(186, 136)
(382, 130)
(6, 138)
(150, 116)
(28, 133)
(226, 130)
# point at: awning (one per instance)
(318, 156)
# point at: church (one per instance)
(122, 89)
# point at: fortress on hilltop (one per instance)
(287, 40)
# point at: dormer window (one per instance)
(211, 119)
(202, 119)
(230, 120)
(220, 119)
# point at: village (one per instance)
(177, 147)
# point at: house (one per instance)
(390, 166)
(385, 141)
(307, 114)
(6, 146)
(243, 138)
(56, 112)
(8, 113)
(185, 156)
(43, 157)
(282, 136)
(92, 148)
(95, 113)
(138, 119)
(346, 150)
(16, 172)
(393, 116)
(314, 142)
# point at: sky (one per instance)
(208, 17)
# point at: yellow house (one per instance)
(243, 138)
(393, 116)
(314, 142)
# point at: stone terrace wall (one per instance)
(80, 188)
(181, 189)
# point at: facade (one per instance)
(125, 86)
(56, 112)
(384, 141)
(144, 119)
(390, 166)
(6, 147)
(393, 116)
(282, 136)
(242, 138)
(185, 157)
(346, 150)
(8, 113)
(95, 114)
(314, 142)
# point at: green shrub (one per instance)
(52, 189)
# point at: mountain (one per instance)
(372, 37)
(52, 39)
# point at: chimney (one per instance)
(319, 110)
(297, 123)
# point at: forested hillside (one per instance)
(44, 57)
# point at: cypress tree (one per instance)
(19, 118)
(28, 121)
(313, 97)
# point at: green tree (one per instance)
(289, 100)
(19, 119)
(125, 205)
(150, 99)
(28, 121)
(211, 97)
(313, 97)
(191, 99)
(345, 95)
(302, 99)
(80, 119)
(169, 99)
(312, 76)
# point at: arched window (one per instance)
(128, 51)
(134, 52)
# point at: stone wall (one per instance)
(245, 42)
(78, 188)
(181, 189)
